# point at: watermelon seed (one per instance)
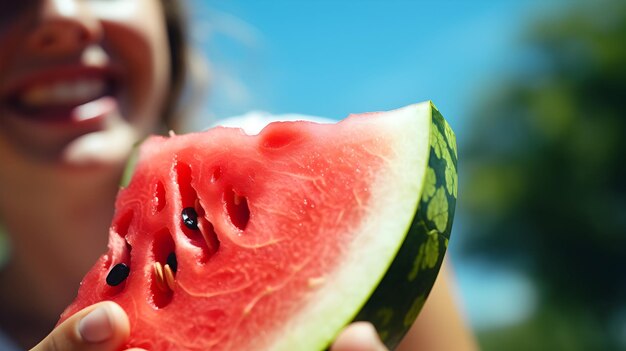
(158, 271)
(172, 262)
(117, 274)
(164, 277)
(159, 277)
(169, 277)
(190, 218)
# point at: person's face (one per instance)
(80, 80)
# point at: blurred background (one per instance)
(536, 93)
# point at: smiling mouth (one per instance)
(64, 100)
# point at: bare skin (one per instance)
(100, 327)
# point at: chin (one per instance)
(107, 148)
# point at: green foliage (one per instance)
(550, 329)
(546, 187)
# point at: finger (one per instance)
(100, 327)
(359, 336)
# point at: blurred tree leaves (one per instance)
(546, 178)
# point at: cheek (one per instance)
(138, 46)
(11, 40)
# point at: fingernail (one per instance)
(96, 326)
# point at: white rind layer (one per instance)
(395, 195)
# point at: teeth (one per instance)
(63, 93)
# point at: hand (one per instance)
(100, 327)
(358, 336)
(104, 326)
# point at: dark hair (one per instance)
(177, 36)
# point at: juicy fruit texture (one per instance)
(275, 241)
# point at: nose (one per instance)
(63, 27)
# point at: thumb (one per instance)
(358, 336)
(100, 327)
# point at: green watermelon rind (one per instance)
(131, 164)
(401, 294)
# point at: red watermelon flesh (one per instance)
(295, 228)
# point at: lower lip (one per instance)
(88, 112)
(94, 109)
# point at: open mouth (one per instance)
(64, 98)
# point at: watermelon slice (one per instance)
(276, 241)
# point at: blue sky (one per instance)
(332, 58)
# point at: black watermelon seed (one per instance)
(172, 262)
(190, 218)
(118, 274)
